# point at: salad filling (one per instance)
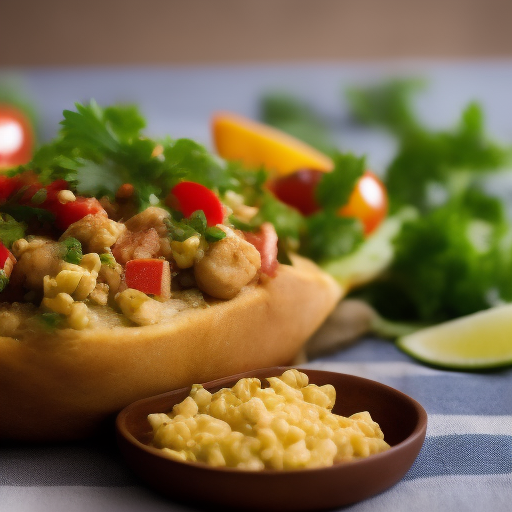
(107, 227)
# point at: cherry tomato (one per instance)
(368, 202)
(188, 197)
(16, 137)
(298, 190)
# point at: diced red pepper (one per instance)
(68, 213)
(151, 276)
(265, 240)
(188, 197)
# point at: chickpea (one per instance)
(152, 217)
(227, 266)
(96, 232)
(40, 257)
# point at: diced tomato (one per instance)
(16, 137)
(189, 197)
(368, 202)
(65, 214)
(151, 276)
(68, 213)
(265, 240)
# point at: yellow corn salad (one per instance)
(288, 425)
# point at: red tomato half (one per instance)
(16, 137)
(368, 202)
(188, 197)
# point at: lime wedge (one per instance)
(479, 341)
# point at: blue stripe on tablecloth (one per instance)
(439, 391)
(476, 454)
(459, 393)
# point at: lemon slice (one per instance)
(478, 341)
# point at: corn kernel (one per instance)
(184, 253)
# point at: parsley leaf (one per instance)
(455, 257)
(387, 105)
(10, 230)
(335, 187)
(330, 237)
(454, 261)
(296, 117)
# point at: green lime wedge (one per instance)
(474, 342)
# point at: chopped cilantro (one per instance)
(24, 213)
(51, 321)
(72, 250)
(10, 230)
(180, 229)
(107, 259)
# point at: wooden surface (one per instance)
(109, 32)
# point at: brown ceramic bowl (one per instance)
(402, 419)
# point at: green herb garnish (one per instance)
(4, 280)
(181, 229)
(72, 250)
(10, 230)
(107, 259)
(51, 321)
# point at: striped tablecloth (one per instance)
(465, 463)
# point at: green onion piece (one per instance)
(4, 280)
(39, 197)
(72, 251)
(214, 234)
(107, 259)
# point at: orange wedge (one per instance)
(255, 145)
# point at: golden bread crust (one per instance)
(65, 385)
